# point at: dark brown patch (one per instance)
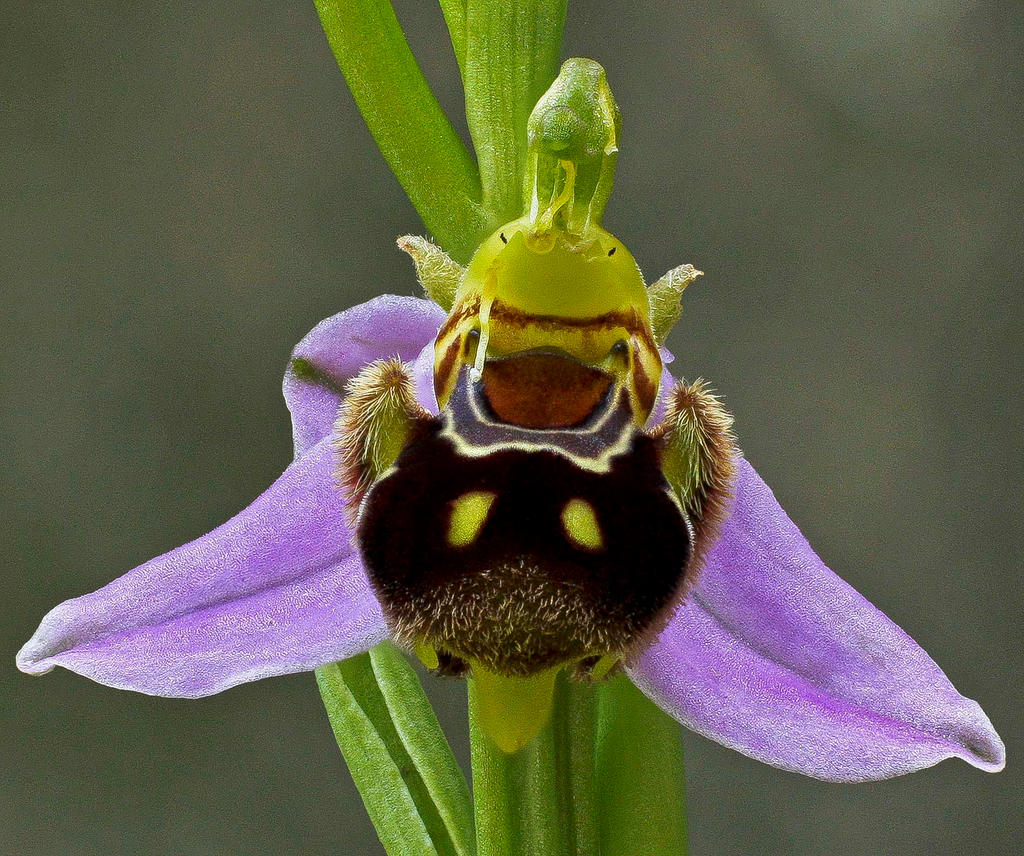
(464, 311)
(646, 389)
(629, 320)
(583, 671)
(521, 597)
(447, 366)
(450, 666)
(537, 390)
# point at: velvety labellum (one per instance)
(521, 549)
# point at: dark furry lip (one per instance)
(543, 390)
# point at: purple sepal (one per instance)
(339, 346)
(276, 589)
(775, 656)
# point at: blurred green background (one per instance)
(187, 188)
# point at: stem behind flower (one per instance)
(512, 53)
(539, 800)
(641, 802)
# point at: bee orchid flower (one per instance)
(505, 479)
(771, 653)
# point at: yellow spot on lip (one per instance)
(468, 516)
(580, 524)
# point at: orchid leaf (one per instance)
(639, 775)
(421, 735)
(415, 136)
(399, 775)
(455, 17)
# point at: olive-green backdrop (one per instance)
(187, 188)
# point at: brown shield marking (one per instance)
(538, 390)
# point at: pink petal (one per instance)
(338, 347)
(276, 589)
(775, 656)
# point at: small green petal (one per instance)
(666, 295)
(511, 710)
(437, 272)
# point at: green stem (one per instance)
(641, 802)
(420, 145)
(455, 17)
(575, 733)
(512, 53)
(540, 800)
